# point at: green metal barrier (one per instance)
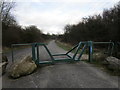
(12, 46)
(69, 58)
(83, 45)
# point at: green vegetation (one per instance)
(102, 27)
(13, 33)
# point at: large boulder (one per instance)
(113, 63)
(24, 67)
(3, 64)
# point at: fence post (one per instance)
(37, 54)
(33, 52)
(90, 46)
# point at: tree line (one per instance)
(102, 27)
(14, 33)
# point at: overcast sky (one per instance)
(52, 15)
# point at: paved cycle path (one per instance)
(60, 75)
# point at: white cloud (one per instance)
(52, 17)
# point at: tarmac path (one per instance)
(60, 75)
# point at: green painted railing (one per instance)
(83, 45)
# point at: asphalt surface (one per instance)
(60, 75)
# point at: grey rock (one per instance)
(113, 63)
(24, 67)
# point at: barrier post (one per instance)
(33, 52)
(90, 44)
(37, 54)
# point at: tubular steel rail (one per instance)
(83, 45)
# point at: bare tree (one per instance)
(6, 16)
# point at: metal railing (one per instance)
(83, 45)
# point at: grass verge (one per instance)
(67, 46)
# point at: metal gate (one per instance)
(80, 45)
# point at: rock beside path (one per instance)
(24, 67)
(113, 63)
